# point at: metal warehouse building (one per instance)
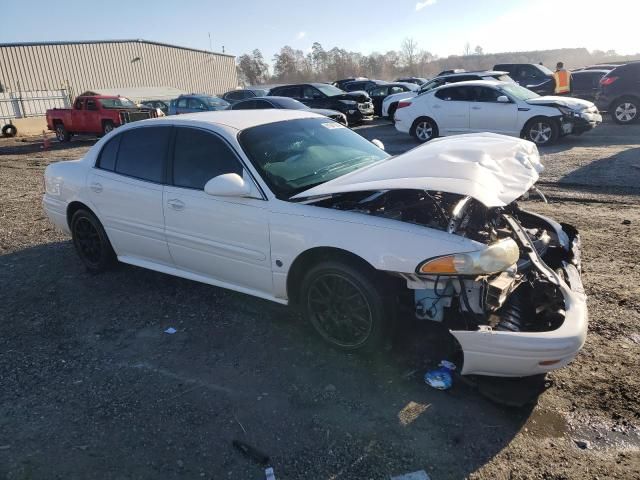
(113, 64)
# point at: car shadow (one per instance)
(29, 145)
(90, 353)
(618, 173)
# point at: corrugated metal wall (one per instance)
(114, 64)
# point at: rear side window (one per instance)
(107, 158)
(459, 94)
(142, 153)
(293, 92)
(246, 105)
(199, 156)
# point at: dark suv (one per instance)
(619, 93)
(356, 106)
(537, 78)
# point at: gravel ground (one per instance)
(92, 387)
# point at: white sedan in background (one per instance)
(295, 208)
(498, 107)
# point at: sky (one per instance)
(442, 27)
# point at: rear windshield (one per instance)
(120, 102)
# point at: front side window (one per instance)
(397, 90)
(310, 92)
(484, 94)
(196, 104)
(200, 156)
(382, 91)
(293, 92)
(295, 155)
(142, 153)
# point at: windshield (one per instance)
(519, 92)
(120, 102)
(329, 90)
(215, 102)
(431, 84)
(295, 155)
(545, 70)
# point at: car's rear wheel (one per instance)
(61, 133)
(391, 111)
(345, 305)
(424, 129)
(541, 130)
(9, 130)
(91, 241)
(625, 111)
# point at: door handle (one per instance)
(176, 204)
(96, 187)
(476, 108)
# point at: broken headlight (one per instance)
(495, 258)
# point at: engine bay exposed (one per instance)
(525, 297)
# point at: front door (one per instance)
(489, 115)
(225, 239)
(126, 188)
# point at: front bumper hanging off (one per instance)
(517, 354)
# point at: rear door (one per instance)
(489, 115)
(126, 188)
(451, 107)
(225, 239)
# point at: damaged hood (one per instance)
(569, 102)
(494, 169)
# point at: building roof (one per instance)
(133, 40)
(138, 94)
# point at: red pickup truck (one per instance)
(96, 114)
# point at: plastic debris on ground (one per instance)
(419, 475)
(441, 378)
(170, 330)
(269, 475)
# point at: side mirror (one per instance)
(378, 143)
(503, 99)
(228, 185)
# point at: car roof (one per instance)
(592, 70)
(480, 73)
(238, 119)
(472, 83)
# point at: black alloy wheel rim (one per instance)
(340, 311)
(60, 133)
(88, 241)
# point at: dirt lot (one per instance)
(91, 387)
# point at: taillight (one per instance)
(604, 81)
(403, 104)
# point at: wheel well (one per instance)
(622, 97)
(307, 259)
(73, 208)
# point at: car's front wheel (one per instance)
(541, 131)
(345, 305)
(625, 110)
(107, 127)
(424, 129)
(91, 241)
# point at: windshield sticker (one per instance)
(332, 125)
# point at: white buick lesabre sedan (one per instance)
(293, 207)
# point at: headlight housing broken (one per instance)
(495, 258)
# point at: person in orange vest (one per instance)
(563, 80)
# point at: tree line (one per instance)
(293, 65)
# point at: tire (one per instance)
(61, 133)
(9, 130)
(107, 127)
(91, 242)
(391, 111)
(625, 110)
(541, 131)
(345, 306)
(424, 129)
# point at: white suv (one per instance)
(492, 106)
